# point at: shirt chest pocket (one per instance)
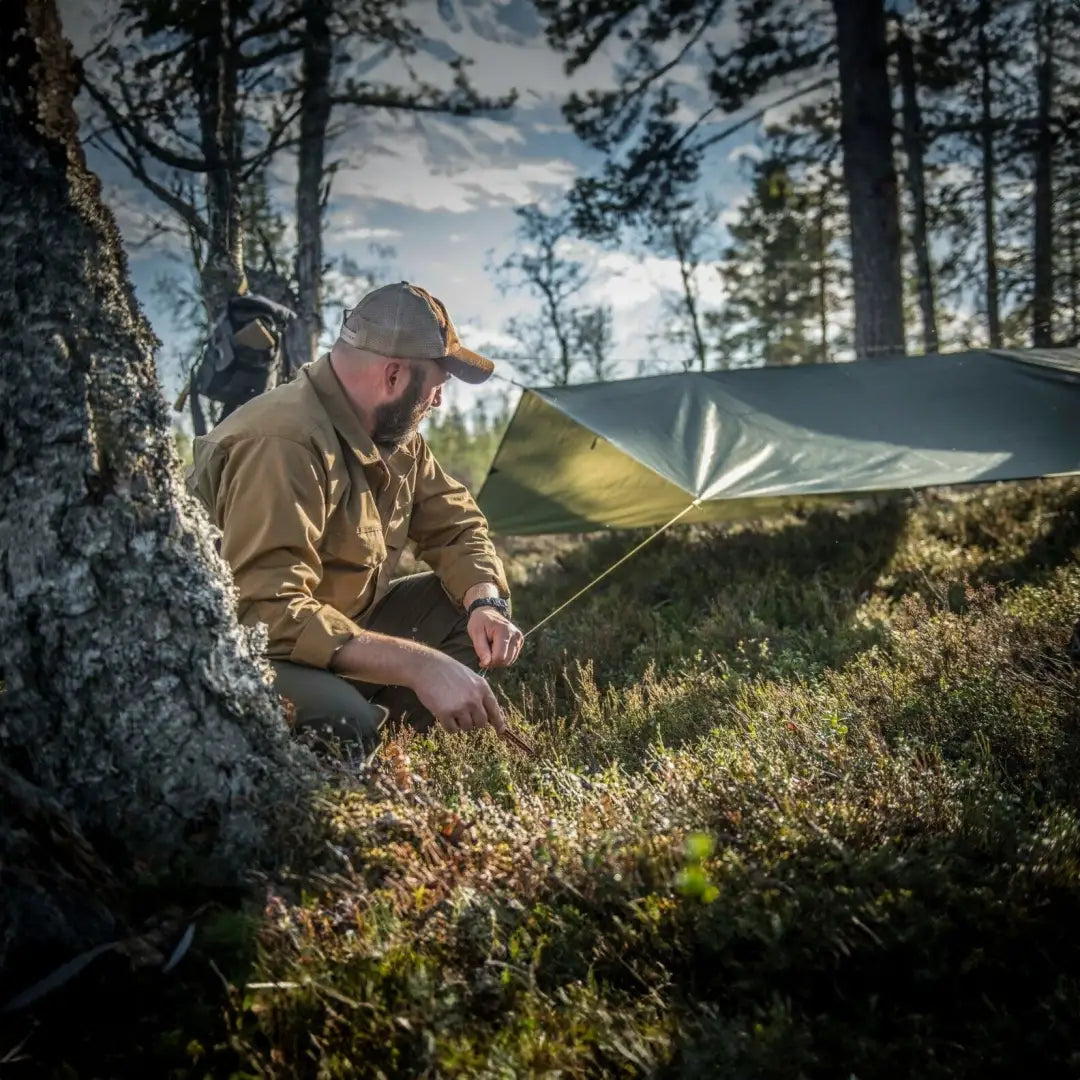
(355, 540)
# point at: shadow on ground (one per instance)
(774, 598)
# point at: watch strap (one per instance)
(497, 602)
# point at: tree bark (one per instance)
(1043, 298)
(679, 241)
(913, 137)
(1074, 282)
(870, 177)
(315, 105)
(217, 88)
(822, 279)
(132, 706)
(989, 192)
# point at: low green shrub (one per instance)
(807, 804)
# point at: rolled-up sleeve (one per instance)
(451, 532)
(271, 510)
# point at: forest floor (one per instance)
(807, 804)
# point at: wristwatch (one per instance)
(497, 602)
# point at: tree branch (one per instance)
(139, 134)
(557, 33)
(247, 167)
(131, 159)
(391, 99)
(151, 62)
(728, 131)
(269, 26)
(646, 81)
(283, 48)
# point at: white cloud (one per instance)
(630, 283)
(498, 131)
(406, 175)
(751, 151)
(364, 232)
(491, 340)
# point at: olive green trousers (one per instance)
(416, 607)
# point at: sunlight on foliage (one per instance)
(806, 804)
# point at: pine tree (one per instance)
(198, 97)
(176, 86)
(1002, 103)
(338, 41)
(654, 157)
(775, 310)
(915, 174)
(687, 236)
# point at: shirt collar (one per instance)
(344, 417)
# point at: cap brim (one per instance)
(468, 366)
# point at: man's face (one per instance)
(421, 391)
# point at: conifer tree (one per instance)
(654, 156)
(197, 98)
(776, 308)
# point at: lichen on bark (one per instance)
(130, 699)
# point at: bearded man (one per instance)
(318, 485)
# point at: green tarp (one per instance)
(636, 452)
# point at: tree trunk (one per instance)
(1074, 282)
(870, 177)
(216, 84)
(682, 250)
(1043, 300)
(916, 176)
(135, 715)
(310, 195)
(823, 280)
(986, 138)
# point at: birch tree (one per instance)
(137, 721)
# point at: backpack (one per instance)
(243, 356)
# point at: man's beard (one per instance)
(397, 421)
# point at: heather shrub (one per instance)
(806, 804)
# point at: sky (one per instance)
(441, 192)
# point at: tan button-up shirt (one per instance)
(314, 520)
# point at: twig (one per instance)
(512, 737)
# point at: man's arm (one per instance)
(453, 540)
(451, 532)
(272, 511)
(270, 505)
(457, 697)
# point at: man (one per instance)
(318, 485)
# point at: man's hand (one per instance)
(458, 698)
(495, 638)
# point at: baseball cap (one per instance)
(406, 321)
